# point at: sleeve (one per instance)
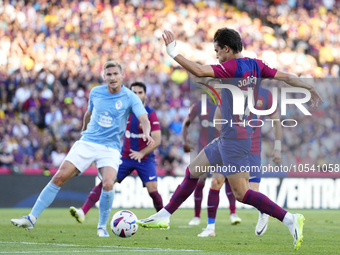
(154, 122)
(270, 102)
(90, 103)
(266, 71)
(136, 105)
(226, 69)
(193, 112)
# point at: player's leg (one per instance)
(92, 198)
(66, 171)
(198, 167)
(77, 161)
(244, 194)
(106, 198)
(198, 196)
(254, 184)
(148, 174)
(107, 163)
(262, 222)
(153, 193)
(236, 154)
(213, 201)
(234, 219)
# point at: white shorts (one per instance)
(83, 154)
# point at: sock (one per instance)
(213, 200)
(105, 206)
(92, 198)
(211, 225)
(231, 197)
(45, 198)
(198, 199)
(288, 220)
(264, 204)
(182, 192)
(157, 200)
(32, 218)
(163, 213)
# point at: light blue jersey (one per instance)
(110, 114)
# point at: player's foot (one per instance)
(298, 230)
(262, 224)
(101, 232)
(78, 214)
(207, 232)
(24, 222)
(195, 221)
(154, 221)
(235, 219)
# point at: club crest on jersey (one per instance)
(259, 103)
(119, 104)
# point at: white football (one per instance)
(123, 224)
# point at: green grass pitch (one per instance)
(56, 232)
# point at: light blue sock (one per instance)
(45, 198)
(105, 206)
(211, 221)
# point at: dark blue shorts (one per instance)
(146, 170)
(230, 156)
(255, 168)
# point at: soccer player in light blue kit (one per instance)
(104, 125)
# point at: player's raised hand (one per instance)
(315, 97)
(276, 156)
(170, 42)
(150, 141)
(168, 37)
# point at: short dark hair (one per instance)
(229, 37)
(138, 84)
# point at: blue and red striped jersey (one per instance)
(264, 102)
(133, 138)
(243, 73)
(207, 131)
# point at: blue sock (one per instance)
(45, 198)
(211, 221)
(105, 206)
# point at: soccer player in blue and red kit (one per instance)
(207, 133)
(235, 139)
(264, 102)
(135, 155)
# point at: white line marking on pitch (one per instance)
(86, 246)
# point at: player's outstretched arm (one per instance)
(295, 81)
(278, 134)
(192, 67)
(144, 121)
(87, 118)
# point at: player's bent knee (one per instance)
(107, 186)
(239, 195)
(59, 179)
(216, 184)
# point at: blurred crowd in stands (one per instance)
(52, 53)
